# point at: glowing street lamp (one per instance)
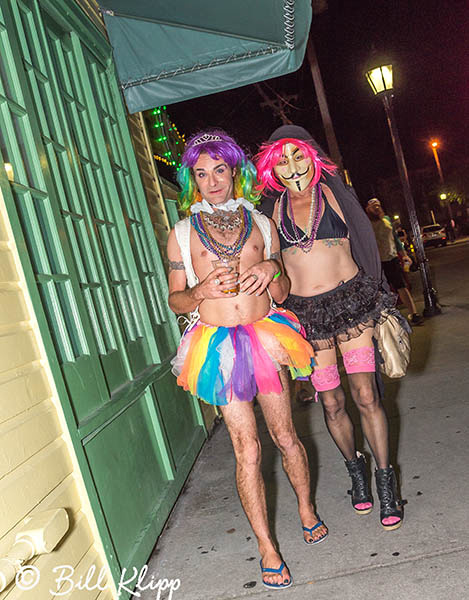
(434, 145)
(380, 78)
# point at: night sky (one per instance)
(427, 42)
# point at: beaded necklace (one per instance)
(305, 241)
(216, 247)
(223, 220)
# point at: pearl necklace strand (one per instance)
(306, 241)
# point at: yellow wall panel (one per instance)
(17, 349)
(7, 265)
(38, 468)
(12, 308)
(25, 435)
(105, 595)
(27, 485)
(21, 389)
(3, 232)
(65, 495)
(88, 573)
(69, 552)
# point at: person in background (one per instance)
(405, 257)
(450, 230)
(390, 248)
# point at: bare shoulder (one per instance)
(173, 250)
(273, 225)
(275, 213)
(274, 240)
(274, 235)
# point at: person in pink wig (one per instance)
(339, 294)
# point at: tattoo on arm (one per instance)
(275, 256)
(176, 265)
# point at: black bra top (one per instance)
(331, 225)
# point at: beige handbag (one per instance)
(393, 340)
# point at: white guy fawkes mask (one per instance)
(294, 170)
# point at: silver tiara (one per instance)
(203, 139)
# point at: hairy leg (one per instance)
(365, 395)
(278, 417)
(336, 417)
(241, 423)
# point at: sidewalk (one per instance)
(208, 544)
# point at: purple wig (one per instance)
(217, 144)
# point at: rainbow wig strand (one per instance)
(271, 152)
(217, 144)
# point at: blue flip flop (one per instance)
(310, 531)
(275, 586)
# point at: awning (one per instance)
(169, 51)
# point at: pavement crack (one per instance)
(385, 565)
(347, 573)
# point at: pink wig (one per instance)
(271, 152)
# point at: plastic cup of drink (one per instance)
(231, 263)
(407, 262)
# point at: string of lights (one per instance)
(168, 141)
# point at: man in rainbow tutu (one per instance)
(225, 269)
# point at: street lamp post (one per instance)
(381, 82)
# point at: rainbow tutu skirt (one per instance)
(220, 364)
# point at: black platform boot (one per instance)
(386, 486)
(362, 500)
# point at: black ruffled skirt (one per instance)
(343, 313)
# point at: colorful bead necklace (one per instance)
(223, 219)
(216, 247)
(305, 241)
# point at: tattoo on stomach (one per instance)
(329, 243)
(333, 242)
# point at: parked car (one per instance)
(434, 235)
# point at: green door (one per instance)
(94, 271)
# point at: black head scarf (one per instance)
(362, 237)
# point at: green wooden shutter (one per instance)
(42, 220)
(89, 254)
